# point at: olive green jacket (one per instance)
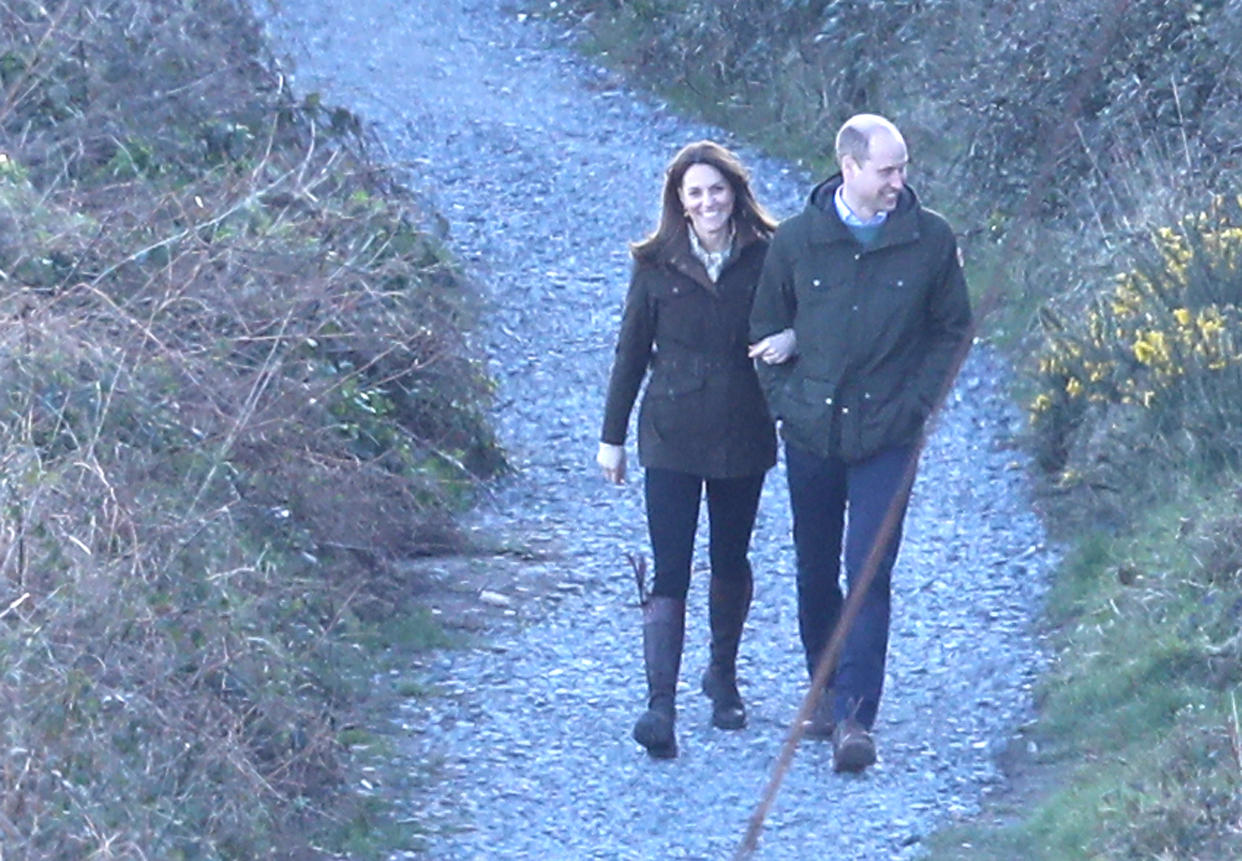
(878, 329)
(703, 411)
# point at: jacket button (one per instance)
(815, 282)
(845, 411)
(828, 401)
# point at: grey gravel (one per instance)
(545, 166)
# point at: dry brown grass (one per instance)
(235, 389)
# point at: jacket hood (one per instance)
(821, 197)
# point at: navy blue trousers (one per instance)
(673, 515)
(822, 491)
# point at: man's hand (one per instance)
(775, 349)
(611, 459)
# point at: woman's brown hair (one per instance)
(747, 212)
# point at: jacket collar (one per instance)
(681, 258)
(901, 226)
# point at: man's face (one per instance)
(874, 184)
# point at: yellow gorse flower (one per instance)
(1151, 347)
(1171, 320)
(1210, 323)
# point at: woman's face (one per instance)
(707, 198)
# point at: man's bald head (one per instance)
(854, 138)
(873, 158)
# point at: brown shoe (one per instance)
(852, 747)
(820, 724)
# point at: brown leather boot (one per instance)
(728, 606)
(664, 629)
(853, 749)
(821, 725)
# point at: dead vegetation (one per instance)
(236, 389)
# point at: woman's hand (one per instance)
(611, 459)
(775, 349)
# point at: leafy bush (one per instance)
(236, 390)
(1145, 378)
(1015, 111)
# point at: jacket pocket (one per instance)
(681, 313)
(881, 423)
(774, 382)
(676, 403)
(809, 405)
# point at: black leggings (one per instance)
(673, 515)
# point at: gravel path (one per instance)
(545, 167)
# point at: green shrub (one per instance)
(1146, 377)
(1066, 117)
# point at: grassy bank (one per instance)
(237, 389)
(1137, 752)
(1087, 154)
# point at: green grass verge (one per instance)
(1136, 753)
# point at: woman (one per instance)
(703, 420)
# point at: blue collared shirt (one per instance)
(850, 218)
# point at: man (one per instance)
(857, 320)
